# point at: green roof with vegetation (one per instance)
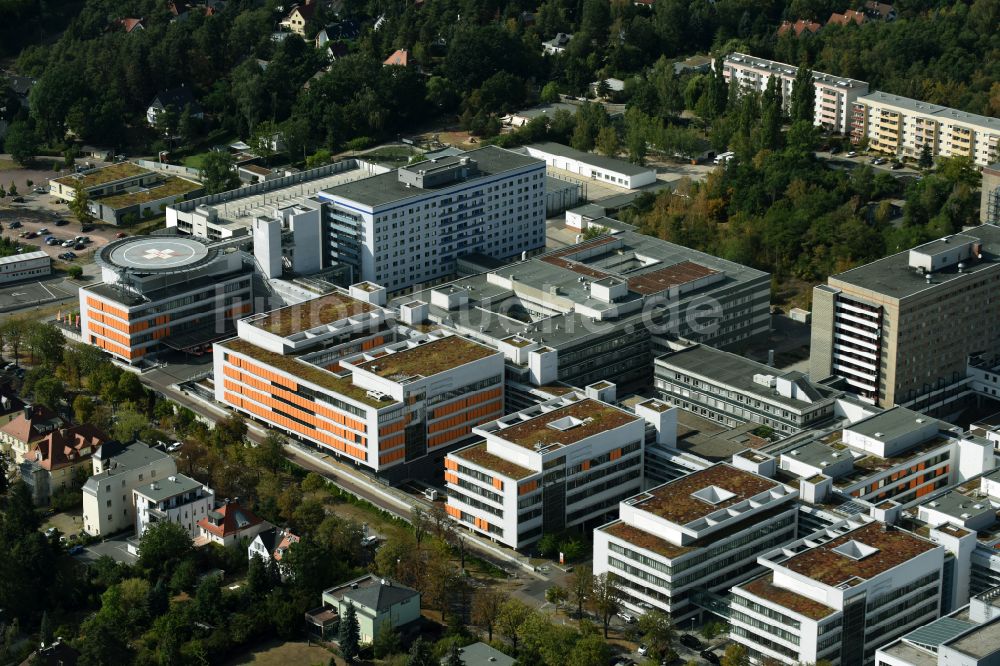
(171, 187)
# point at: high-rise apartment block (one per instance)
(902, 126)
(838, 595)
(835, 95)
(901, 329)
(989, 203)
(564, 463)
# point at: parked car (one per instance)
(68, 243)
(71, 255)
(61, 222)
(76, 550)
(87, 227)
(31, 234)
(120, 234)
(709, 656)
(15, 225)
(175, 446)
(43, 230)
(626, 617)
(852, 153)
(41, 190)
(690, 641)
(896, 165)
(18, 199)
(643, 650)
(52, 242)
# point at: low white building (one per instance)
(27, 266)
(582, 454)
(593, 167)
(701, 532)
(176, 499)
(108, 504)
(838, 594)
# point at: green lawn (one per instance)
(194, 161)
(7, 165)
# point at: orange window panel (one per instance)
(450, 464)
(450, 477)
(453, 511)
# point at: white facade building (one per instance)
(593, 167)
(108, 506)
(834, 95)
(701, 532)
(580, 455)
(408, 226)
(176, 499)
(902, 126)
(27, 266)
(335, 372)
(838, 595)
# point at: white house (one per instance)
(108, 504)
(176, 499)
(229, 523)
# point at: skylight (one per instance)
(713, 494)
(855, 550)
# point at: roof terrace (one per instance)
(765, 588)
(426, 359)
(562, 426)
(857, 555)
(478, 455)
(310, 314)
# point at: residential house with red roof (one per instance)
(272, 544)
(229, 523)
(52, 462)
(399, 57)
(849, 17)
(26, 428)
(799, 27)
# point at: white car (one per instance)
(69, 243)
(643, 651)
(175, 446)
(852, 153)
(628, 618)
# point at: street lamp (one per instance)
(692, 624)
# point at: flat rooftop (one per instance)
(765, 588)
(170, 187)
(825, 564)
(478, 455)
(940, 113)
(384, 189)
(738, 372)
(960, 506)
(893, 277)
(103, 175)
(566, 425)
(893, 423)
(305, 371)
(309, 314)
(678, 501)
(167, 487)
(607, 163)
(791, 70)
(428, 358)
(980, 642)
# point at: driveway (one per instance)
(115, 548)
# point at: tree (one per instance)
(49, 391)
(45, 630)
(581, 585)
(556, 595)
(46, 343)
(74, 272)
(12, 189)
(386, 641)
(486, 608)
(657, 631)
(421, 654)
(319, 158)
(735, 655)
(607, 141)
(605, 599)
(80, 206)
(263, 138)
(926, 160)
(513, 615)
(350, 634)
(21, 142)
(550, 93)
(590, 650)
(128, 424)
(454, 656)
(803, 96)
(217, 173)
(162, 546)
(420, 522)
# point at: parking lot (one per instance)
(33, 217)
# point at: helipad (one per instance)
(155, 253)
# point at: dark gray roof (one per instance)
(385, 188)
(939, 631)
(269, 538)
(481, 654)
(893, 277)
(380, 596)
(609, 163)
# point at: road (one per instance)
(342, 475)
